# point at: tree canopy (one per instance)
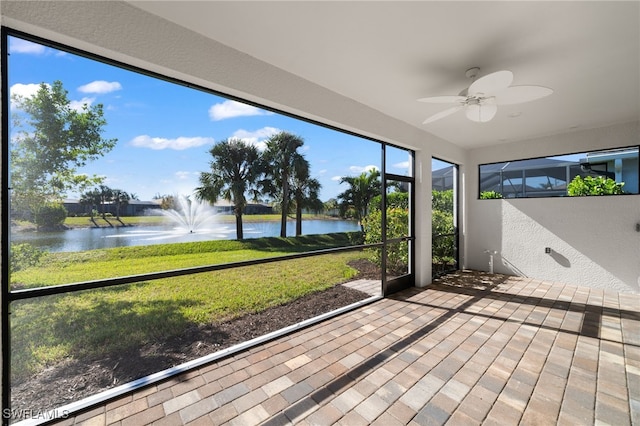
(305, 192)
(53, 140)
(362, 189)
(235, 168)
(282, 159)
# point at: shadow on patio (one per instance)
(473, 348)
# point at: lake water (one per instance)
(82, 239)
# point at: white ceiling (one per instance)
(388, 54)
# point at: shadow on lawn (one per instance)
(92, 326)
(304, 243)
(127, 356)
(98, 345)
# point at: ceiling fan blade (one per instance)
(520, 94)
(443, 99)
(442, 114)
(481, 112)
(491, 83)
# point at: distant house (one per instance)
(226, 207)
(132, 208)
(618, 164)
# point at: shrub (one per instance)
(50, 216)
(442, 200)
(442, 230)
(24, 256)
(394, 199)
(397, 226)
(442, 242)
(590, 185)
(487, 195)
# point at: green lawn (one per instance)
(97, 323)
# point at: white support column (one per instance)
(422, 210)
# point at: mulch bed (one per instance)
(75, 379)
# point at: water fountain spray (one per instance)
(191, 214)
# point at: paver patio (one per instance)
(472, 348)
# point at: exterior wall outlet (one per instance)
(547, 250)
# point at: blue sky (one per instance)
(165, 130)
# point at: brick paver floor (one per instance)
(470, 349)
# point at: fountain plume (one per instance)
(191, 214)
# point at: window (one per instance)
(128, 228)
(613, 171)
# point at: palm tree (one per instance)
(91, 199)
(120, 199)
(360, 192)
(106, 194)
(281, 157)
(305, 191)
(235, 169)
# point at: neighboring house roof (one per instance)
(227, 203)
(130, 202)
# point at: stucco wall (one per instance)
(593, 240)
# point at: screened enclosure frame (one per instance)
(9, 296)
(563, 171)
(455, 184)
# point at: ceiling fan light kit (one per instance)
(480, 101)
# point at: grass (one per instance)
(70, 267)
(85, 222)
(98, 323)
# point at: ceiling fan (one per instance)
(480, 101)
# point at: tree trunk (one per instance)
(239, 235)
(298, 218)
(285, 208)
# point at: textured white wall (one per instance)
(593, 240)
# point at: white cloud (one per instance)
(23, 90)
(257, 137)
(77, 105)
(404, 165)
(356, 171)
(100, 86)
(29, 90)
(26, 90)
(183, 175)
(231, 109)
(24, 46)
(178, 144)
(359, 169)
